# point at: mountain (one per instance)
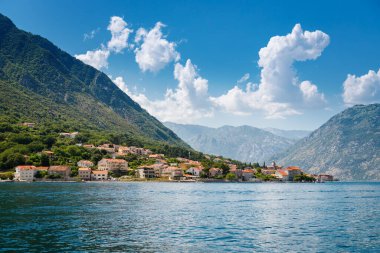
(289, 134)
(347, 146)
(43, 84)
(243, 143)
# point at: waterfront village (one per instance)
(114, 166)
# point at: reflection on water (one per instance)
(175, 217)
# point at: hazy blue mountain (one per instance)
(289, 134)
(244, 143)
(347, 146)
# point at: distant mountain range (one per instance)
(243, 143)
(347, 146)
(41, 83)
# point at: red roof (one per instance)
(293, 168)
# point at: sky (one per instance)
(282, 64)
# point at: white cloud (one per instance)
(119, 40)
(120, 34)
(155, 51)
(279, 90)
(97, 58)
(364, 89)
(90, 35)
(244, 78)
(119, 81)
(189, 101)
(311, 95)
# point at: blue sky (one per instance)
(222, 39)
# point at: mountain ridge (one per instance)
(244, 143)
(34, 67)
(346, 146)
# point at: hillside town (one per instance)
(113, 166)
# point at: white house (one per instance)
(99, 175)
(112, 164)
(195, 171)
(85, 164)
(146, 172)
(25, 173)
(84, 173)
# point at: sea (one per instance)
(190, 217)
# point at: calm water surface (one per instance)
(189, 217)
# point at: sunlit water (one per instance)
(190, 217)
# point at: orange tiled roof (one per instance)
(282, 172)
(248, 171)
(100, 172)
(84, 169)
(293, 168)
(26, 167)
(42, 168)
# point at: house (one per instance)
(28, 124)
(247, 174)
(69, 135)
(109, 148)
(176, 174)
(113, 164)
(214, 172)
(99, 175)
(325, 178)
(293, 171)
(282, 175)
(25, 173)
(89, 146)
(167, 171)
(146, 172)
(85, 164)
(156, 156)
(84, 173)
(195, 171)
(238, 172)
(62, 170)
(268, 171)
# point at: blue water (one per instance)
(189, 217)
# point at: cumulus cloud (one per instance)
(311, 95)
(119, 40)
(97, 58)
(120, 33)
(364, 89)
(154, 51)
(279, 91)
(119, 81)
(189, 101)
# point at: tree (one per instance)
(231, 176)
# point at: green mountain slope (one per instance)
(347, 146)
(41, 83)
